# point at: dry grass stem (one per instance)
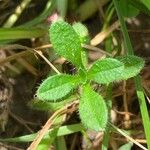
(102, 35)
(67, 109)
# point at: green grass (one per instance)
(139, 88)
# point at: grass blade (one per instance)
(139, 89)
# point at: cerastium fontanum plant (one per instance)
(67, 41)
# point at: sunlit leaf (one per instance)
(56, 87)
(127, 146)
(61, 131)
(92, 109)
(82, 31)
(132, 66)
(66, 42)
(146, 3)
(106, 70)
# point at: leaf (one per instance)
(60, 143)
(56, 87)
(127, 9)
(132, 66)
(127, 146)
(44, 144)
(21, 33)
(105, 70)
(83, 34)
(109, 69)
(146, 3)
(61, 131)
(66, 42)
(82, 31)
(92, 110)
(139, 5)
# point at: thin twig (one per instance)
(9, 147)
(90, 47)
(24, 53)
(43, 47)
(50, 121)
(21, 121)
(48, 62)
(26, 64)
(102, 35)
(125, 140)
(19, 54)
(128, 137)
(125, 105)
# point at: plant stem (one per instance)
(139, 89)
(108, 16)
(62, 6)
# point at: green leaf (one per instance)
(139, 5)
(83, 34)
(127, 146)
(127, 9)
(106, 70)
(56, 87)
(146, 3)
(20, 33)
(82, 31)
(44, 144)
(60, 143)
(61, 131)
(66, 42)
(132, 66)
(92, 109)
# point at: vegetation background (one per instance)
(26, 56)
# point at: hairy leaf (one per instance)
(132, 66)
(106, 70)
(66, 42)
(83, 34)
(82, 31)
(56, 87)
(92, 109)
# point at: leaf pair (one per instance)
(102, 71)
